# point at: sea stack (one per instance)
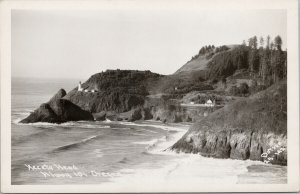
(58, 110)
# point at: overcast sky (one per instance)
(77, 44)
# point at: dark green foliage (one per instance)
(209, 51)
(252, 42)
(206, 49)
(278, 42)
(126, 81)
(253, 61)
(226, 63)
(268, 63)
(242, 90)
(221, 48)
(257, 88)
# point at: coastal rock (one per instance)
(67, 111)
(235, 144)
(173, 116)
(43, 114)
(60, 94)
(135, 114)
(114, 116)
(101, 116)
(58, 110)
(146, 114)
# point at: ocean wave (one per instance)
(163, 127)
(147, 130)
(74, 145)
(151, 142)
(154, 143)
(79, 124)
(137, 134)
(162, 145)
(107, 120)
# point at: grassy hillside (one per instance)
(203, 58)
(266, 110)
(199, 63)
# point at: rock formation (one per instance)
(58, 110)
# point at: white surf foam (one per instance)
(79, 124)
(164, 127)
(184, 172)
(159, 145)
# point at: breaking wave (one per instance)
(79, 124)
(74, 145)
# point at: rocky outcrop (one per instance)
(170, 110)
(58, 110)
(139, 113)
(253, 128)
(43, 114)
(235, 144)
(116, 90)
(101, 116)
(119, 101)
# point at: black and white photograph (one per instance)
(151, 98)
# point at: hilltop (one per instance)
(117, 90)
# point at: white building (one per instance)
(209, 103)
(80, 89)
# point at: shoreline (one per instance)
(193, 166)
(152, 123)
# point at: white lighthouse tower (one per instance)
(80, 89)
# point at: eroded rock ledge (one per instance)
(235, 144)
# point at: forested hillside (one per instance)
(268, 63)
(257, 65)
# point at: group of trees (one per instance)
(268, 61)
(212, 49)
(206, 49)
(221, 48)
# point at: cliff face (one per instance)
(254, 128)
(116, 90)
(58, 110)
(119, 101)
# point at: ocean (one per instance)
(111, 153)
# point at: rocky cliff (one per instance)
(116, 90)
(58, 110)
(252, 128)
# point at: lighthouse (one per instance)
(80, 89)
